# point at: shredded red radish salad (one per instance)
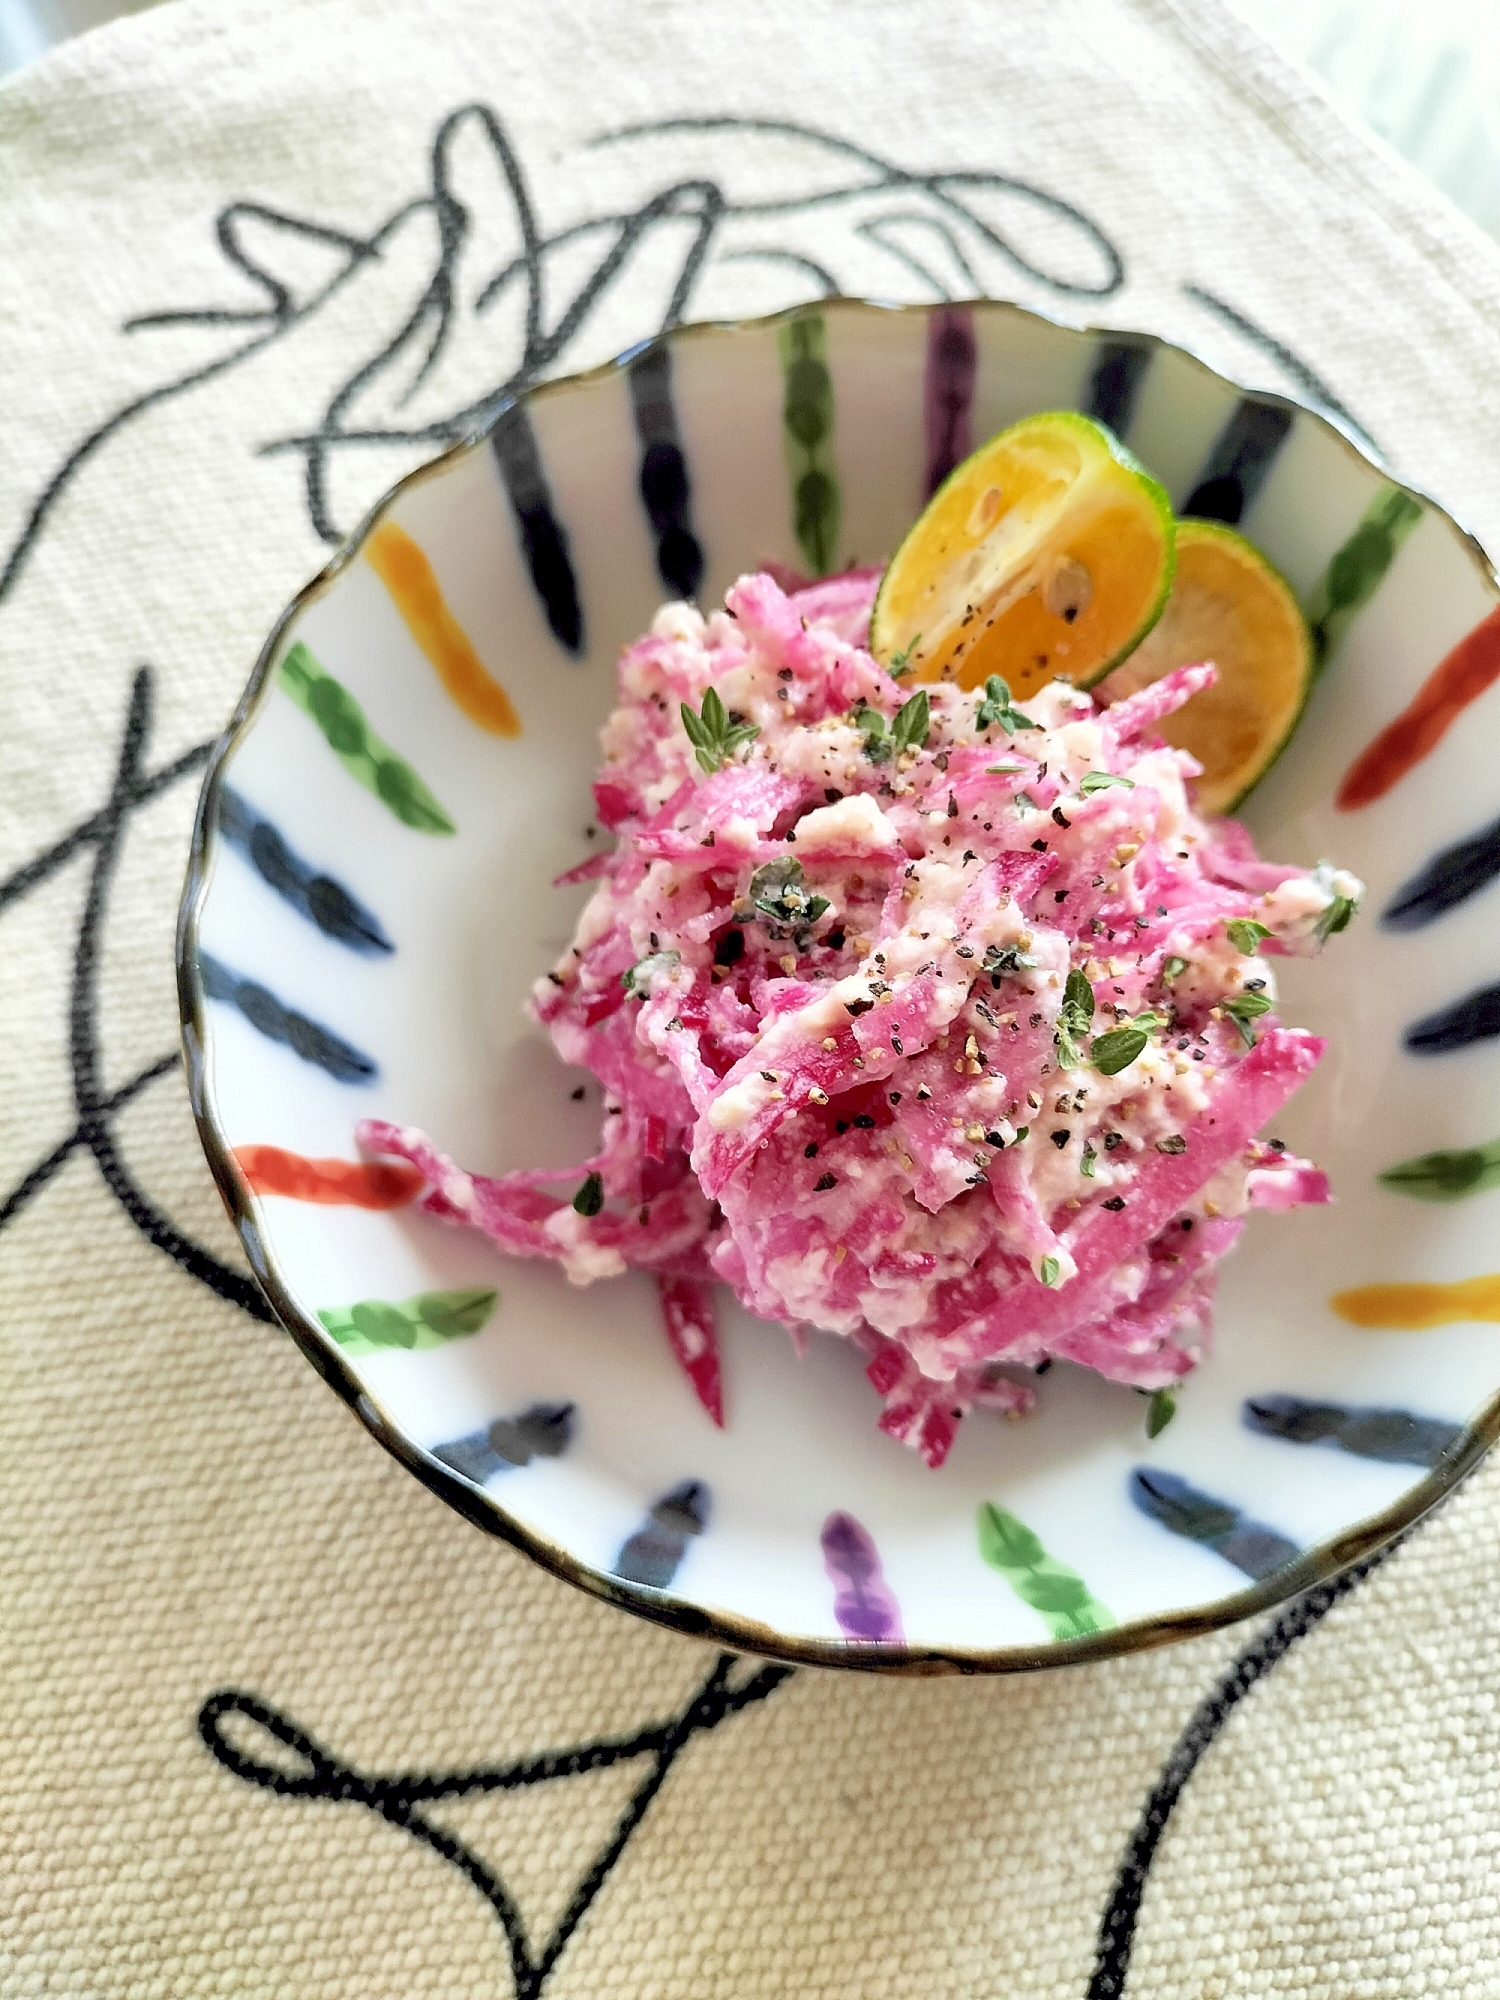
(923, 1017)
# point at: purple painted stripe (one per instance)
(863, 1602)
(952, 367)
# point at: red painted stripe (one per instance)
(337, 1183)
(1471, 667)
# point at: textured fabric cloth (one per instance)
(239, 1644)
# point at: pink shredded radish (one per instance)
(927, 1020)
(687, 1310)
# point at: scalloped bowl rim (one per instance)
(1319, 1564)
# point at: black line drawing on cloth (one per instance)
(104, 831)
(1301, 1616)
(955, 232)
(399, 1798)
(972, 223)
(473, 329)
(396, 1798)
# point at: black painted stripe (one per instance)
(655, 1551)
(1475, 1018)
(543, 540)
(543, 1431)
(1119, 370)
(1395, 1437)
(279, 1023)
(319, 898)
(665, 486)
(1236, 468)
(1199, 1517)
(1449, 878)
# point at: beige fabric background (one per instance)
(185, 1506)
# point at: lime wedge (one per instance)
(1230, 606)
(1045, 555)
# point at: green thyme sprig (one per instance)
(909, 728)
(1074, 1019)
(913, 723)
(1160, 1414)
(590, 1197)
(998, 707)
(1098, 781)
(877, 741)
(1119, 1048)
(713, 736)
(1002, 958)
(1245, 934)
(901, 663)
(637, 979)
(777, 891)
(1245, 1008)
(1335, 918)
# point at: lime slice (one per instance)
(1046, 555)
(1230, 606)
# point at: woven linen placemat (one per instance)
(272, 1721)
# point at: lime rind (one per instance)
(1200, 530)
(1162, 504)
(1192, 531)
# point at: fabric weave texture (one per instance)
(263, 1700)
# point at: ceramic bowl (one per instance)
(370, 898)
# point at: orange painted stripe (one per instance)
(408, 576)
(1415, 1307)
(336, 1183)
(1461, 677)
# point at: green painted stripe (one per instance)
(1056, 1592)
(355, 744)
(807, 433)
(1446, 1176)
(1358, 570)
(428, 1320)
